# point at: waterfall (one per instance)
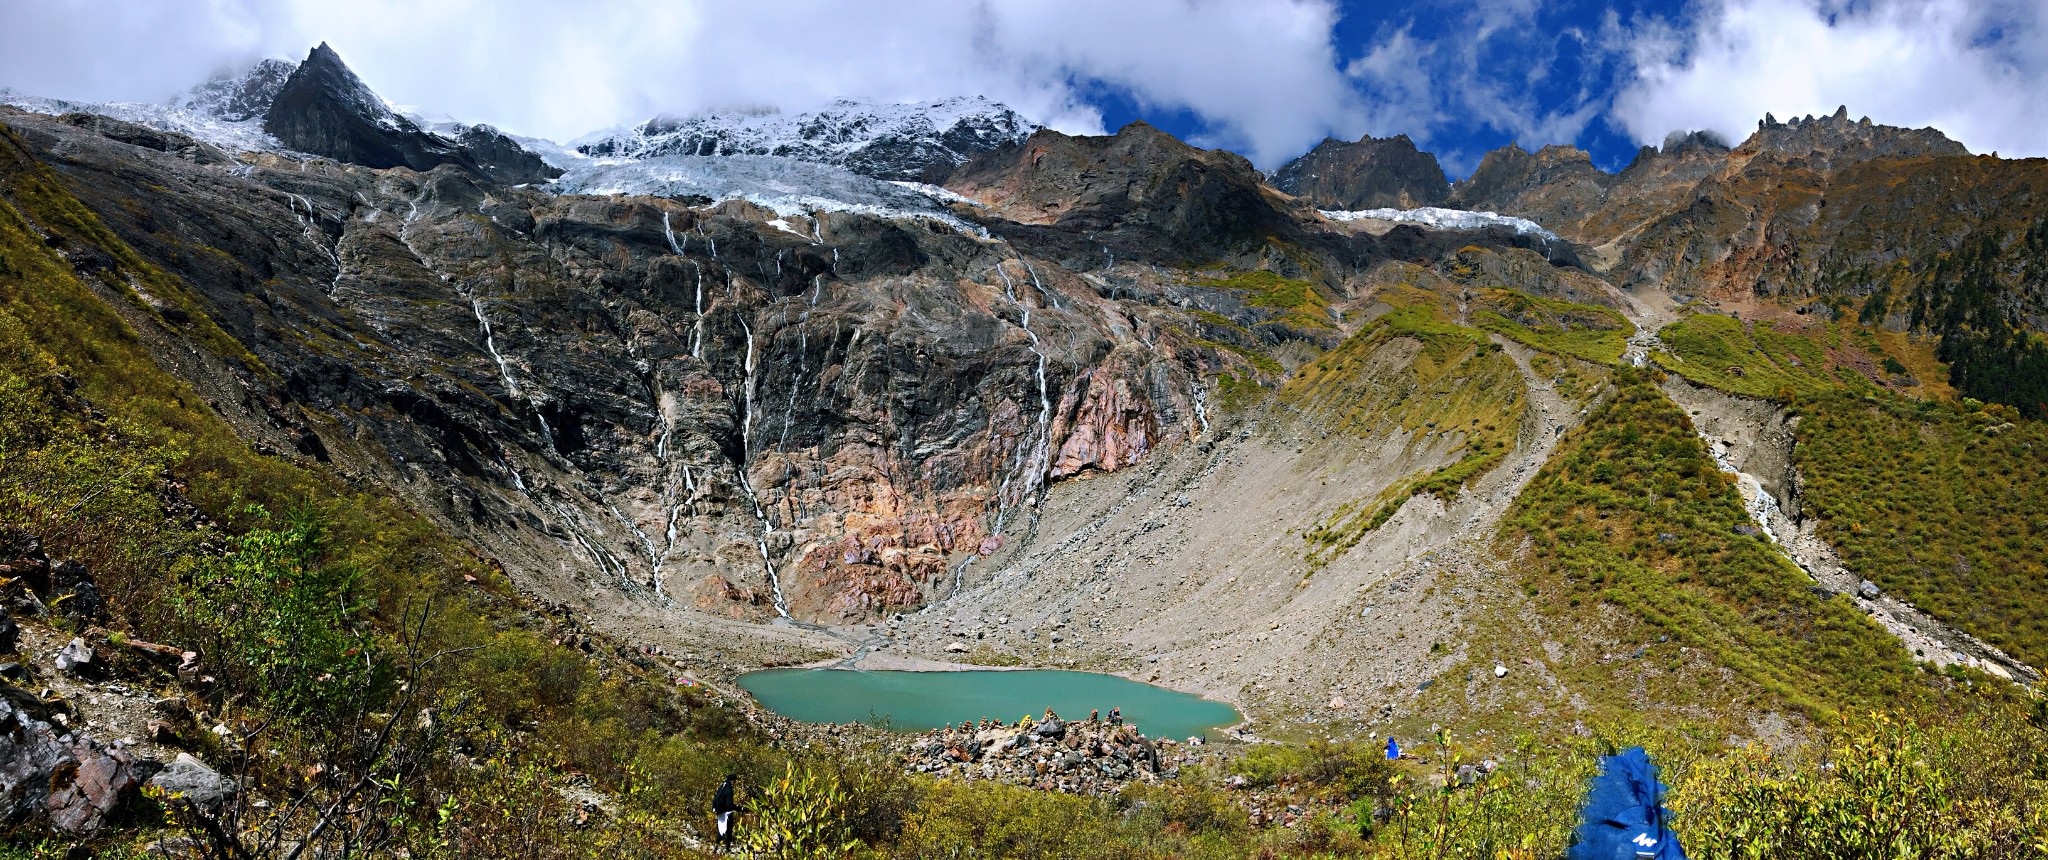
(670, 232)
(746, 483)
(476, 305)
(1201, 398)
(1043, 294)
(803, 357)
(697, 333)
(1030, 462)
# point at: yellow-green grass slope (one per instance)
(1782, 359)
(1944, 505)
(1937, 501)
(1586, 332)
(1410, 371)
(1631, 550)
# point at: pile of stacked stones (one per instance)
(1073, 756)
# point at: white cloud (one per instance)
(1976, 70)
(1261, 74)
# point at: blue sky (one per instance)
(1465, 77)
(1267, 78)
(1538, 66)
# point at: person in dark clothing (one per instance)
(1116, 716)
(727, 811)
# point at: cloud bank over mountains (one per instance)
(1268, 78)
(1976, 70)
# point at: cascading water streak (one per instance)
(746, 483)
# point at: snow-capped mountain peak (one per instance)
(238, 97)
(887, 141)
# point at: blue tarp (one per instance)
(1624, 817)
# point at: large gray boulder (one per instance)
(189, 778)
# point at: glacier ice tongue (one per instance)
(1443, 219)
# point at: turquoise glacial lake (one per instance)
(916, 701)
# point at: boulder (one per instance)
(189, 778)
(10, 634)
(71, 783)
(77, 659)
(74, 595)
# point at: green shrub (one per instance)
(283, 621)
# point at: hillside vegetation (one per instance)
(1411, 372)
(1940, 504)
(1587, 332)
(1984, 300)
(332, 617)
(1632, 512)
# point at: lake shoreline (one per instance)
(915, 695)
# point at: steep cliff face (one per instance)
(718, 406)
(1369, 173)
(240, 97)
(1556, 186)
(1829, 205)
(1834, 142)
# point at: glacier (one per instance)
(199, 124)
(785, 186)
(884, 140)
(1443, 219)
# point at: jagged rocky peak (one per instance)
(914, 142)
(1835, 140)
(1369, 173)
(1701, 141)
(236, 97)
(1692, 152)
(324, 109)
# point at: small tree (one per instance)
(284, 622)
(800, 815)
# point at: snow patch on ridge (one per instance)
(1443, 219)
